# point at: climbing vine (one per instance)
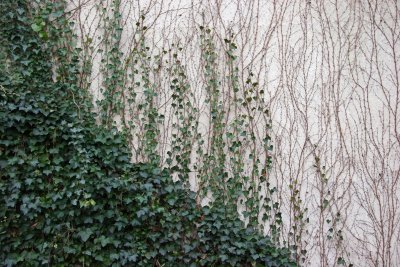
(68, 190)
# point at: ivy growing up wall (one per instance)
(68, 190)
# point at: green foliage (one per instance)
(69, 194)
(185, 125)
(215, 177)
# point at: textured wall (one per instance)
(330, 74)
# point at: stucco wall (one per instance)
(330, 72)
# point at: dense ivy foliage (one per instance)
(69, 194)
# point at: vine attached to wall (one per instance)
(68, 190)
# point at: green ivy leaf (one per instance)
(36, 27)
(85, 234)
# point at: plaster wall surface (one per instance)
(330, 73)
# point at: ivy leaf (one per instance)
(36, 28)
(85, 234)
(58, 13)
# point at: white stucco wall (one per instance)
(330, 72)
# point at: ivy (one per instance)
(69, 194)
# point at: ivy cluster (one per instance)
(69, 195)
